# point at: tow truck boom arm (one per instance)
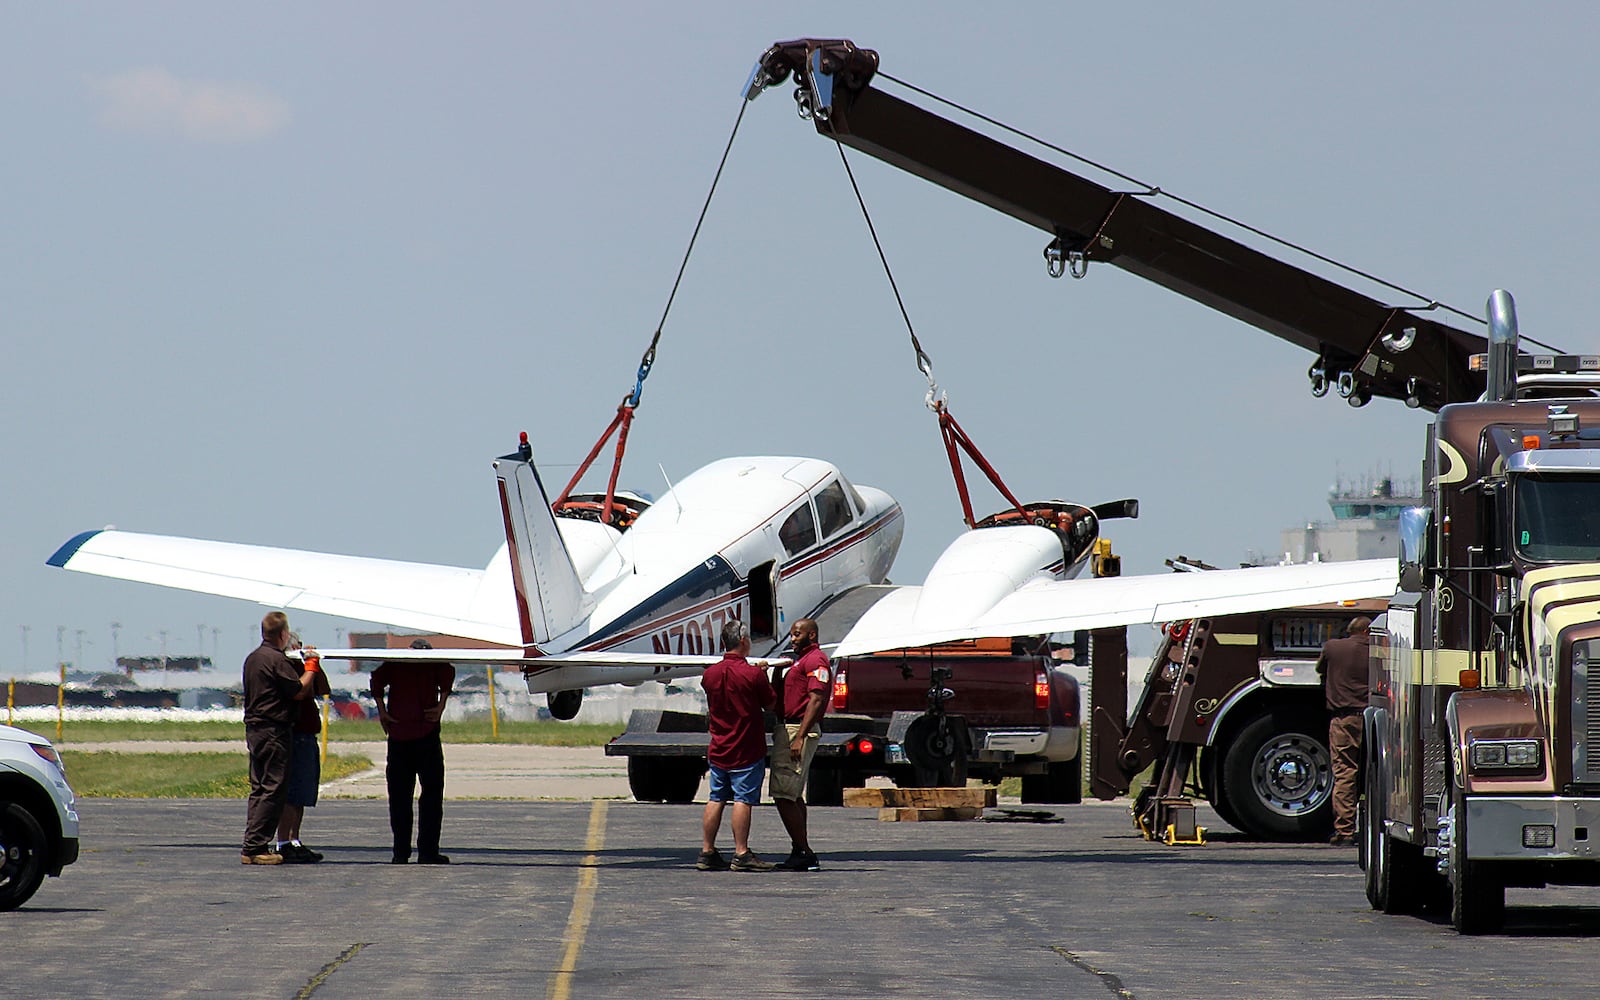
(1364, 347)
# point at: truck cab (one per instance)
(1479, 768)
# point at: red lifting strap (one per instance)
(621, 422)
(953, 435)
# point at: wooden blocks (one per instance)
(918, 805)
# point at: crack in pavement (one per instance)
(322, 975)
(1110, 980)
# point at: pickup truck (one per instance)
(1006, 713)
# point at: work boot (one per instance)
(712, 861)
(1341, 840)
(261, 858)
(750, 861)
(432, 859)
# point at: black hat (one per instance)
(421, 644)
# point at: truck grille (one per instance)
(1585, 716)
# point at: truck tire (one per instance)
(24, 852)
(665, 779)
(1396, 876)
(1211, 774)
(1277, 776)
(1477, 893)
(1061, 784)
(825, 786)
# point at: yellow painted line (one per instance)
(322, 975)
(582, 904)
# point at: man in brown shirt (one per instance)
(1344, 669)
(273, 687)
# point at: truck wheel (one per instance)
(23, 850)
(1211, 771)
(1061, 784)
(1477, 894)
(1396, 871)
(1278, 777)
(664, 779)
(825, 786)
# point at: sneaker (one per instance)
(299, 854)
(799, 861)
(750, 861)
(261, 858)
(432, 859)
(712, 861)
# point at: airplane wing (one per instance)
(472, 603)
(516, 658)
(898, 620)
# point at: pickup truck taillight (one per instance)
(1041, 690)
(841, 692)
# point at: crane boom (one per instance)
(1363, 347)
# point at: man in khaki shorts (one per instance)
(803, 693)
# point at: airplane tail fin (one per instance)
(551, 599)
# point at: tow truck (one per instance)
(1482, 761)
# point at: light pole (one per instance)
(163, 634)
(216, 645)
(77, 655)
(199, 645)
(61, 657)
(25, 630)
(116, 652)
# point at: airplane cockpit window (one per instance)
(855, 494)
(799, 531)
(833, 509)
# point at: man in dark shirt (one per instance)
(803, 690)
(273, 685)
(737, 692)
(411, 699)
(1344, 669)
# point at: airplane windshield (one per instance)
(1557, 519)
(833, 509)
(799, 531)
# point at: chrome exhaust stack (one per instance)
(1502, 361)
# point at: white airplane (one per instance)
(578, 603)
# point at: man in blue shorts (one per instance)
(305, 767)
(737, 692)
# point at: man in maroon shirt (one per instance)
(737, 692)
(805, 688)
(411, 699)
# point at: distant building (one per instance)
(1365, 525)
(129, 664)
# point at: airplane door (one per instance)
(800, 574)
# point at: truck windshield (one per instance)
(1557, 519)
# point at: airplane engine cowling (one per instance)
(564, 705)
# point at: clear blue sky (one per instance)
(293, 275)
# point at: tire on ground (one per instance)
(825, 786)
(1277, 776)
(1477, 892)
(1061, 784)
(27, 852)
(665, 779)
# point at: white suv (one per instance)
(38, 825)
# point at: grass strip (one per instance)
(179, 775)
(560, 734)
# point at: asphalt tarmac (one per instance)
(600, 899)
